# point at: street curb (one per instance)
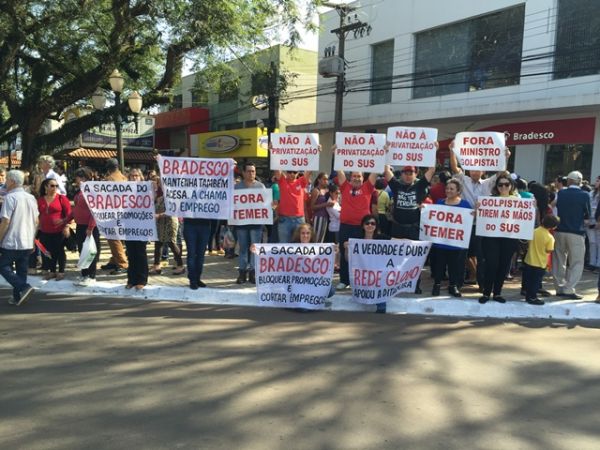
(438, 306)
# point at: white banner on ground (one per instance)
(449, 225)
(411, 146)
(360, 152)
(252, 207)
(295, 151)
(481, 150)
(197, 187)
(294, 275)
(508, 217)
(381, 269)
(123, 210)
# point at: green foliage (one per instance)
(54, 54)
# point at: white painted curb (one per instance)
(438, 306)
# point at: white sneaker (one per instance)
(86, 281)
(341, 286)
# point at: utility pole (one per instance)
(343, 11)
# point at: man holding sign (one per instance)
(248, 235)
(356, 203)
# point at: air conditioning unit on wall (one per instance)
(331, 66)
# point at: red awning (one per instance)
(94, 153)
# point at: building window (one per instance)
(382, 71)
(474, 54)
(199, 97)
(177, 102)
(228, 90)
(577, 39)
(562, 159)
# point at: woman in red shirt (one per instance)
(55, 210)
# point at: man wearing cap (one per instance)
(355, 203)
(574, 209)
(118, 260)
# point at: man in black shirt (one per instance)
(408, 194)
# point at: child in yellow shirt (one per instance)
(536, 260)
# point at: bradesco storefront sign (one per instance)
(567, 131)
(243, 142)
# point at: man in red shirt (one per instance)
(291, 202)
(356, 203)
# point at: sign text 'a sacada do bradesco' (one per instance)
(481, 150)
(508, 217)
(359, 152)
(295, 151)
(411, 146)
(381, 269)
(294, 275)
(123, 210)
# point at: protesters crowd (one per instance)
(330, 208)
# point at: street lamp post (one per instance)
(135, 105)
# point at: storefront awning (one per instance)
(94, 153)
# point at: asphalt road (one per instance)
(101, 373)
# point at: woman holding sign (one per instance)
(137, 271)
(447, 256)
(498, 251)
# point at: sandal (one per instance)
(49, 275)
(139, 287)
(155, 271)
(129, 286)
(179, 271)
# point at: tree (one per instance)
(55, 54)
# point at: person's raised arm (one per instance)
(373, 177)
(453, 160)
(341, 177)
(429, 174)
(387, 172)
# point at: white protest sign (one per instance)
(381, 269)
(508, 217)
(411, 146)
(359, 152)
(481, 150)
(197, 187)
(252, 207)
(294, 151)
(449, 225)
(294, 275)
(123, 210)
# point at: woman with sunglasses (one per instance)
(370, 230)
(448, 257)
(498, 251)
(55, 211)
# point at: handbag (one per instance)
(88, 253)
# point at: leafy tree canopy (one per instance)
(54, 54)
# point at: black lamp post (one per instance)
(135, 105)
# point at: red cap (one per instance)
(409, 169)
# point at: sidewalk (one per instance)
(220, 274)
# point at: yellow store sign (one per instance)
(240, 143)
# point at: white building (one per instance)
(529, 67)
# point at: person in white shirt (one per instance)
(46, 164)
(19, 223)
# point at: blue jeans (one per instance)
(246, 236)
(286, 227)
(196, 239)
(17, 279)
